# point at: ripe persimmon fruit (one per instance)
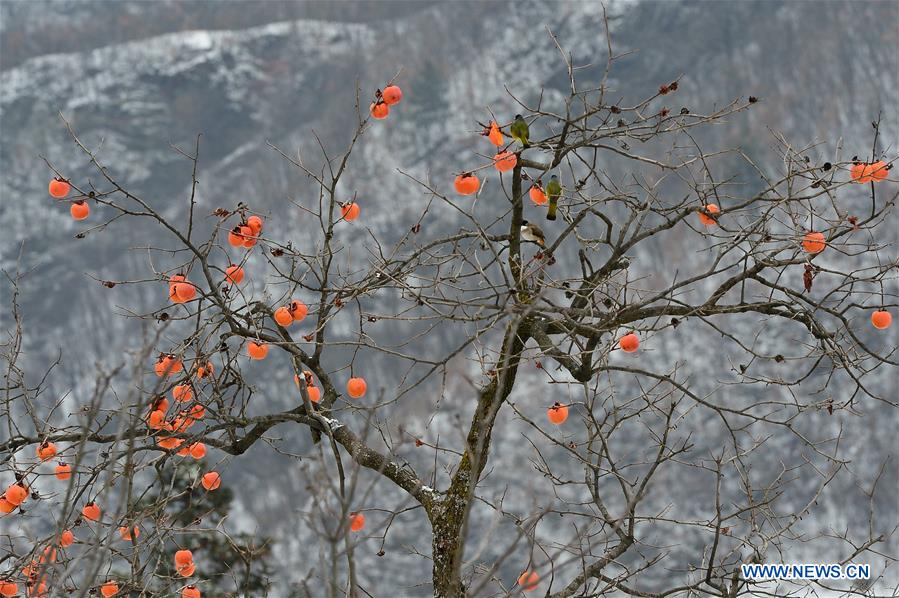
(6, 507)
(857, 172)
(169, 442)
(183, 292)
(356, 387)
(706, 219)
(392, 94)
(168, 365)
(529, 580)
(257, 350)
(46, 451)
(80, 210)
(467, 183)
(283, 317)
(211, 480)
(197, 450)
(66, 538)
(379, 110)
(357, 522)
(881, 319)
(350, 211)
(190, 592)
(813, 242)
(298, 310)
(9, 588)
(504, 161)
(110, 588)
(16, 494)
(156, 419)
(557, 414)
(128, 532)
(878, 171)
(63, 471)
(495, 135)
(184, 557)
(255, 223)
(59, 188)
(235, 238)
(234, 274)
(187, 570)
(91, 511)
(537, 195)
(629, 343)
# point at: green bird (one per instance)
(553, 191)
(520, 130)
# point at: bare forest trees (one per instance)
(785, 276)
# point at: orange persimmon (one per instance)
(91, 511)
(629, 343)
(169, 442)
(557, 414)
(350, 211)
(283, 317)
(182, 393)
(46, 451)
(59, 188)
(495, 135)
(379, 110)
(392, 94)
(234, 274)
(187, 570)
(706, 219)
(6, 507)
(197, 450)
(66, 538)
(467, 183)
(184, 557)
(16, 494)
(257, 350)
(881, 319)
(128, 532)
(857, 172)
(63, 471)
(211, 480)
(255, 223)
(504, 161)
(80, 210)
(190, 592)
(298, 310)
(356, 387)
(357, 522)
(814, 242)
(878, 171)
(110, 588)
(168, 365)
(538, 196)
(529, 580)
(10, 588)
(205, 370)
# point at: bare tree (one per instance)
(786, 256)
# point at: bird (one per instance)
(531, 232)
(553, 191)
(520, 130)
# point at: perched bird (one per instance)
(520, 130)
(531, 232)
(553, 191)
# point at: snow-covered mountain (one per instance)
(824, 71)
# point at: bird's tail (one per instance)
(553, 205)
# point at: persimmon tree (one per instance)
(795, 285)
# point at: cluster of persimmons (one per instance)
(167, 419)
